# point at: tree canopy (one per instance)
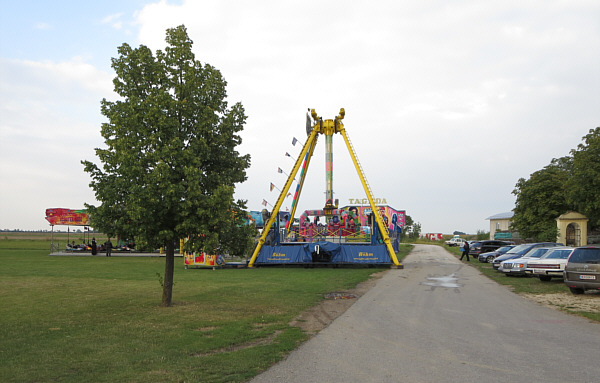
(584, 183)
(567, 183)
(170, 163)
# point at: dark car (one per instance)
(582, 271)
(486, 246)
(521, 250)
(490, 256)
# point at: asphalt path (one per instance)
(440, 320)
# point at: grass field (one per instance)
(97, 319)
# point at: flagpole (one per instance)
(295, 140)
(289, 155)
(280, 170)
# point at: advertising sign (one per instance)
(60, 216)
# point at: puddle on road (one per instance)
(445, 281)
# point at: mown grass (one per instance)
(75, 319)
(525, 284)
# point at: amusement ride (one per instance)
(346, 236)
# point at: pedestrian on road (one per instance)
(465, 251)
(108, 245)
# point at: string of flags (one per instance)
(280, 171)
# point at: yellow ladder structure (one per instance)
(319, 128)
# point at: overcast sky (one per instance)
(448, 103)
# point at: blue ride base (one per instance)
(323, 253)
(336, 251)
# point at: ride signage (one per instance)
(60, 216)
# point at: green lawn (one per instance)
(77, 319)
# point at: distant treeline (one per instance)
(46, 231)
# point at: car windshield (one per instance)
(519, 249)
(585, 255)
(557, 254)
(537, 253)
(504, 249)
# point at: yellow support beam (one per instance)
(374, 208)
(301, 184)
(284, 191)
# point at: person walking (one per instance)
(465, 251)
(94, 246)
(108, 245)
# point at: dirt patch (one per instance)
(589, 302)
(335, 304)
(259, 342)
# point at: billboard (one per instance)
(60, 216)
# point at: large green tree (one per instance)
(584, 184)
(170, 162)
(541, 199)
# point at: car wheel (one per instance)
(545, 278)
(490, 259)
(576, 290)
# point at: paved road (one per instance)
(439, 320)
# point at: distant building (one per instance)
(500, 226)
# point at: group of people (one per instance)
(106, 246)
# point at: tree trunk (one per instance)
(168, 279)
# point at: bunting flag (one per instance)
(272, 186)
(279, 170)
(264, 202)
(294, 141)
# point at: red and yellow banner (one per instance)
(60, 216)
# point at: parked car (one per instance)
(455, 242)
(486, 246)
(474, 247)
(582, 271)
(489, 257)
(517, 266)
(521, 250)
(550, 265)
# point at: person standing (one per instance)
(465, 251)
(94, 246)
(108, 245)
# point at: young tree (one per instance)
(584, 184)
(541, 199)
(411, 229)
(170, 163)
